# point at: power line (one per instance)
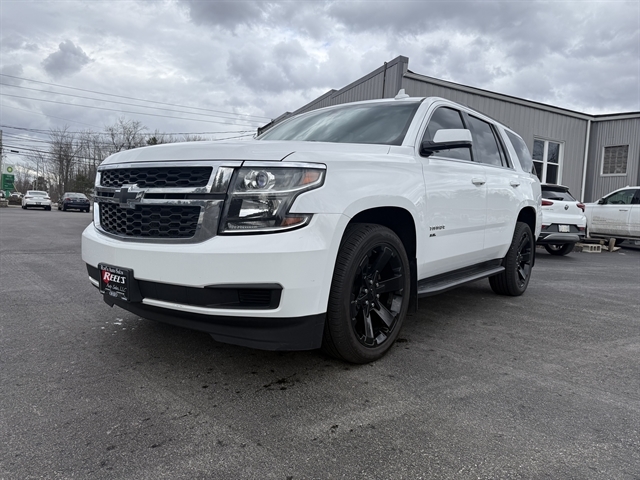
(48, 116)
(47, 131)
(125, 103)
(123, 111)
(133, 98)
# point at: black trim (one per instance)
(239, 296)
(297, 333)
(446, 281)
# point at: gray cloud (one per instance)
(67, 60)
(227, 14)
(17, 42)
(14, 70)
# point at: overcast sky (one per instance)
(260, 59)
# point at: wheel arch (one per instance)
(402, 223)
(528, 215)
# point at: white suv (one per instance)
(563, 220)
(323, 231)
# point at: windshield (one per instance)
(383, 123)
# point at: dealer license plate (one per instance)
(115, 281)
(564, 228)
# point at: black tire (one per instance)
(369, 294)
(64, 207)
(47, 208)
(24, 207)
(517, 264)
(619, 241)
(560, 249)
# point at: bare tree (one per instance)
(64, 151)
(125, 135)
(193, 138)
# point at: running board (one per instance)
(447, 281)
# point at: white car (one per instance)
(563, 220)
(36, 198)
(322, 231)
(616, 215)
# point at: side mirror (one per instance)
(445, 139)
(602, 202)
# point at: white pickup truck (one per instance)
(321, 232)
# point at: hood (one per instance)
(254, 150)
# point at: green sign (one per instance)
(7, 181)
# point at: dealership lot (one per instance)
(546, 385)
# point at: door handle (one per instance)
(514, 183)
(478, 181)
(624, 209)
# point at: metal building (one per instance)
(591, 154)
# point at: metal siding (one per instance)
(529, 122)
(606, 134)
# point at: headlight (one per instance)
(260, 198)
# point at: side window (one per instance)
(485, 146)
(636, 199)
(526, 162)
(447, 118)
(623, 197)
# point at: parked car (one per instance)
(563, 220)
(616, 215)
(322, 231)
(36, 198)
(74, 201)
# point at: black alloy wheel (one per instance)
(376, 295)
(518, 263)
(369, 294)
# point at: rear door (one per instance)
(504, 194)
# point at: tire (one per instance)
(47, 208)
(619, 241)
(64, 207)
(517, 264)
(369, 294)
(561, 249)
(24, 207)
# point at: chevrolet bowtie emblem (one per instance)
(128, 195)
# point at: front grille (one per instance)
(150, 221)
(157, 177)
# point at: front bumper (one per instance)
(301, 262)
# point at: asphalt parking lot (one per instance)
(546, 385)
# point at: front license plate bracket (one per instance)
(117, 283)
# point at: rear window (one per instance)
(37, 193)
(563, 195)
(524, 156)
(378, 123)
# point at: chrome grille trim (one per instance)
(210, 208)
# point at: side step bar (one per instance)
(447, 281)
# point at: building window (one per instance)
(547, 158)
(614, 160)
